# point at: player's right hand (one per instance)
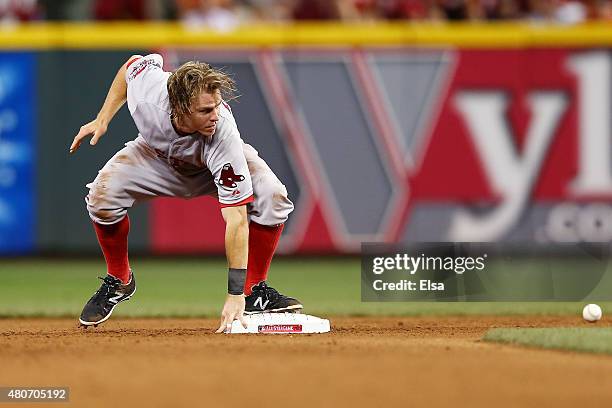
(232, 310)
(95, 128)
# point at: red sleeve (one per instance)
(239, 203)
(130, 62)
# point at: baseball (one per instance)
(591, 313)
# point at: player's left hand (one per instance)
(232, 310)
(96, 128)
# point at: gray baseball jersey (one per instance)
(161, 162)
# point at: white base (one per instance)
(280, 323)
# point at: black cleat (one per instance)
(100, 307)
(265, 299)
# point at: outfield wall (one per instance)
(390, 133)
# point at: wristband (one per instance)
(235, 281)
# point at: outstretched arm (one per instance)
(237, 251)
(116, 97)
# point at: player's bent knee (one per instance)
(103, 204)
(274, 203)
(106, 216)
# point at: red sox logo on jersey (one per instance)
(228, 178)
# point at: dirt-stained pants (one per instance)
(136, 173)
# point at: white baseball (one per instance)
(591, 312)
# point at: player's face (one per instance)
(204, 114)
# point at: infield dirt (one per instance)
(426, 361)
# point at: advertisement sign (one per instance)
(407, 145)
(17, 161)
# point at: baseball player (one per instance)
(188, 145)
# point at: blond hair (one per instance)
(191, 79)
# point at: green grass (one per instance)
(592, 340)
(196, 287)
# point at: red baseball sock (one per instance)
(113, 240)
(262, 244)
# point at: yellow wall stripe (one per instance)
(151, 35)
